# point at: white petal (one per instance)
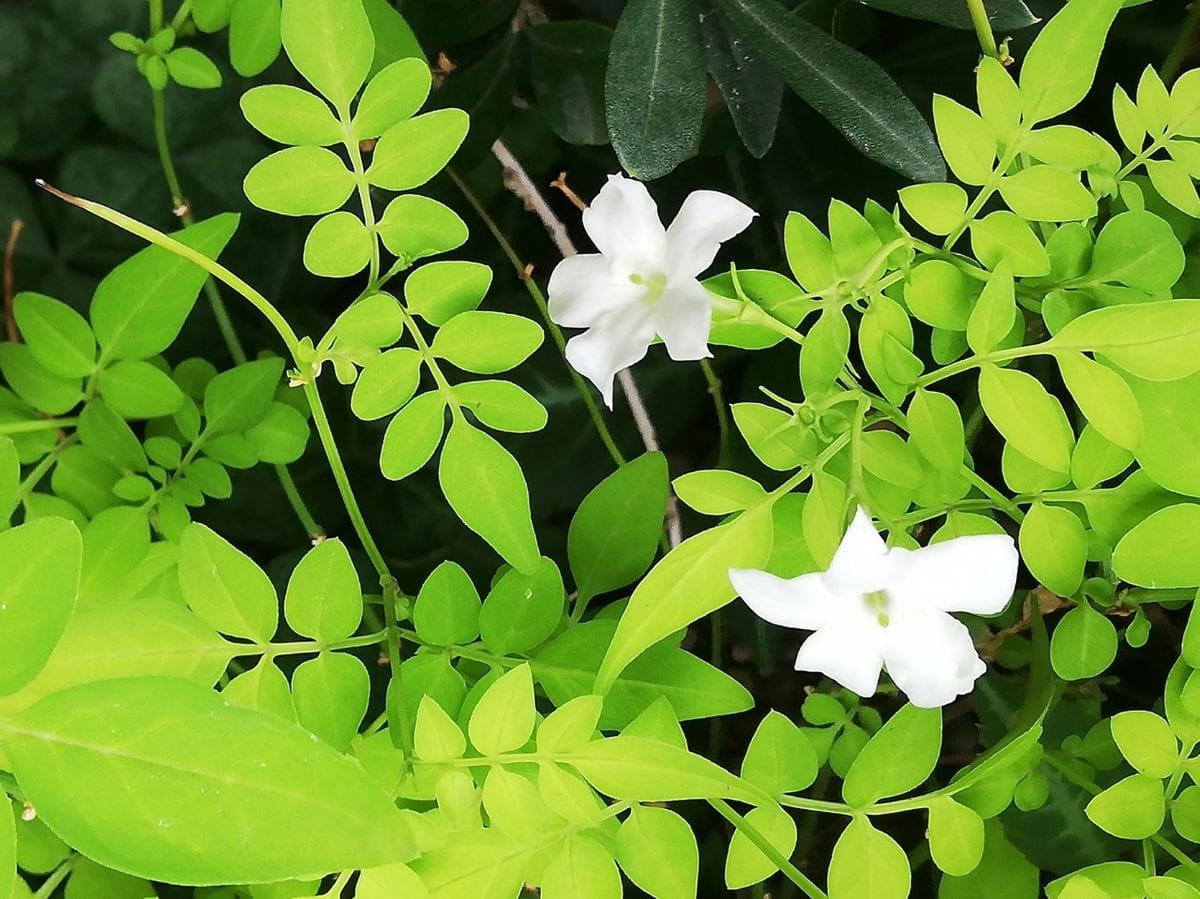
(848, 649)
(801, 602)
(582, 289)
(624, 225)
(616, 342)
(861, 564)
(707, 219)
(683, 318)
(975, 574)
(930, 657)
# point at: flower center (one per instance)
(654, 284)
(878, 602)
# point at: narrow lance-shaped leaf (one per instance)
(852, 92)
(655, 86)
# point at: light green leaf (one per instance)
(1045, 193)
(937, 293)
(37, 595)
(238, 399)
(487, 342)
(446, 611)
(522, 610)
(299, 181)
(1137, 249)
(1084, 643)
(56, 334)
(36, 384)
(965, 139)
(440, 291)
(956, 837)
(995, 311)
(898, 758)
(1104, 398)
(613, 537)
(140, 306)
(1162, 550)
(436, 737)
(868, 864)
(1147, 742)
(1004, 236)
(331, 693)
(645, 770)
(1157, 341)
(324, 597)
(290, 115)
(503, 719)
(937, 206)
(1061, 65)
(392, 96)
(718, 492)
(1131, 809)
(486, 489)
(224, 587)
(780, 758)
(936, 429)
(331, 44)
(135, 773)
(688, 583)
(582, 867)
(413, 436)
(386, 383)
(414, 150)
(745, 864)
(657, 851)
(254, 35)
(1054, 546)
(135, 389)
(338, 246)
(191, 68)
(414, 227)
(1027, 416)
(502, 406)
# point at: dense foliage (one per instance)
(323, 574)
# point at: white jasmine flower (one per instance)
(878, 607)
(643, 282)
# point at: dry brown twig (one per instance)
(10, 250)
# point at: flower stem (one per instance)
(539, 300)
(983, 28)
(722, 411)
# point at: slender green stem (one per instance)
(302, 647)
(539, 300)
(57, 876)
(181, 14)
(43, 467)
(1184, 45)
(281, 326)
(962, 365)
(722, 411)
(37, 424)
(986, 191)
(1001, 501)
(215, 302)
(752, 833)
(364, 188)
(983, 28)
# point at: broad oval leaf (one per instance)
(331, 44)
(1162, 550)
(299, 181)
(163, 779)
(898, 758)
(487, 491)
(37, 595)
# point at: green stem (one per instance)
(281, 326)
(962, 365)
(57, 876)
(723, 430)
(302, 647)
(752, 833)
(1183, 45)
(43, 467)
(363, 186)
(983, 28)
(181, 14)
(220, 312)
(986, 191)
(539, 300)
(37, 424)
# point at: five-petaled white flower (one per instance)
(643, 282)
(878, 607)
